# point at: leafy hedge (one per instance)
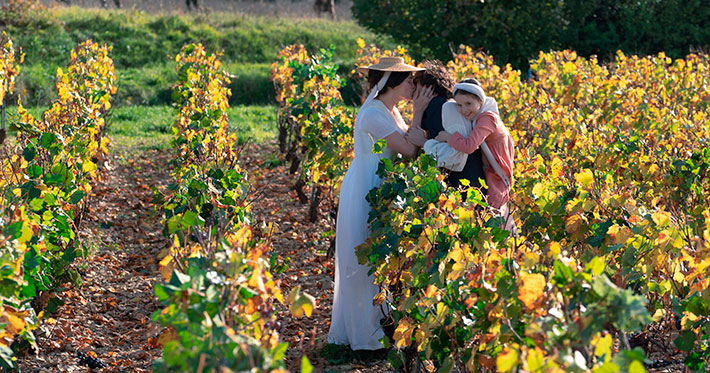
(514, 31)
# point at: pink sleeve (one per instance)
(485, 125)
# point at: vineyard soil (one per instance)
(110, 313)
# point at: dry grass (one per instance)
(275, 8)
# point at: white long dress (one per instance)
(355, 321)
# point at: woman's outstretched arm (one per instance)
(399, 143)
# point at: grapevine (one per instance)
(47, 175)
(611, 197)
(219, 292)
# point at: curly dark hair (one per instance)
(436, 75)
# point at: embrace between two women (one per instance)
(455, 123)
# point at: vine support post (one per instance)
(283, 133)
(315, 201)
(331, 244)
(302, 197)
(3, 131)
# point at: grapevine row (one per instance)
(47, 173)
(611, 242)
(315, 127)
(219, 295)
(612, 199)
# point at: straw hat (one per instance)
(394, 64)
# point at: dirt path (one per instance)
(274, 8)
(110, 314)
(309, 268)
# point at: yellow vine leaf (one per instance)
(378, 299)
(507, 360)
(573, 223)
(532, 290)
(166, 267)
(301, 304)
(603, 346)
(585, 178)
(636, 367)
(661, 218)
(430, 291)
(403, 333)
(167, 335)
(535, 360)
(15, 320)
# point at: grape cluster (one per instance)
(273, 325)
(91, 362)
(266, 310)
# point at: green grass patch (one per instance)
(255, 123)
(150, 85)
(126, 145)
(141, 121)
(145, 45)
(251, 123)
(251, 84)
(142, 39)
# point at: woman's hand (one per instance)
(422, 97)
(416, 136)
(443, 136)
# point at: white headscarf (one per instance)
(453, 121)
(471, 88)
(488, 103)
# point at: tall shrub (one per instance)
(514, 31)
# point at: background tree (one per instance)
(514, 31)
(325, 6)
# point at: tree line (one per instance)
(515, 31)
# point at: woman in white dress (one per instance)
(355, 320)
